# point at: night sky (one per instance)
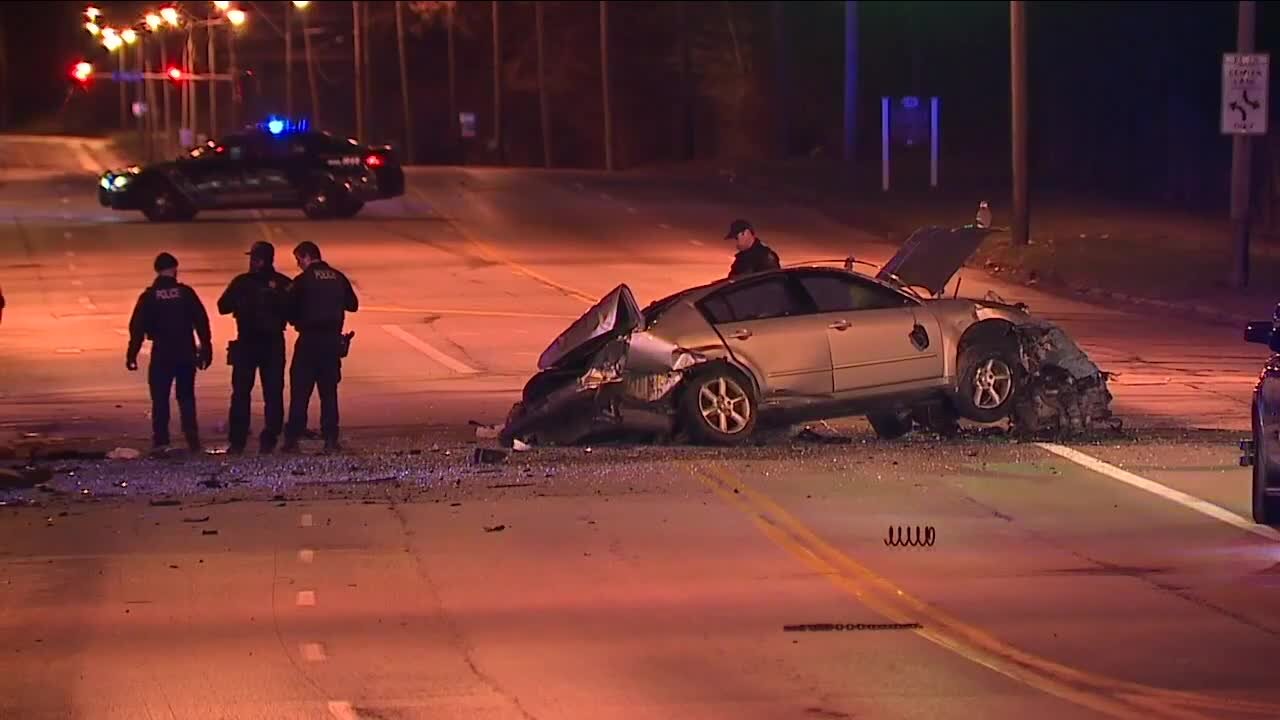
(1124, 94)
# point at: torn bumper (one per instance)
(626, 388)
(1065, 393)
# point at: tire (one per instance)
(321, 204)
(992, 367)
(349, 209)
(1266, 510)
(164, 205)
(719, 407)
(890, 426)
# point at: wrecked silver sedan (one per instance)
(712, 363)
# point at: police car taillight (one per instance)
(373, 161)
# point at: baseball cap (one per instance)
(307, 248)
(262, 250)
(736, 227)
(165, 261)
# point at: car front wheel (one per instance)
(1266, 508)
(719, 407)
(990, 374)
(320, 204)
(164, 206)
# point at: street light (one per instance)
(93, 28)
(236, 17)
(153, 21)
(170, 15)
(222, 5)
(301, 4)
(129, 36)
(92, 12)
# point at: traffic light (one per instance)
(81, 72)
(175, 74)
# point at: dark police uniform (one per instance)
(171, 315)
(319, 297)
(259, 301)
(757, 258)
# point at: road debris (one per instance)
(810, 435)
(124, 453)
(487, 456)
(24, 478)
(196, 519)
(165, 503)
(1065, 394)
(495, 528)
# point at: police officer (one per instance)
(258, 300)
(170, 314)
(319, 299)
(753, 256)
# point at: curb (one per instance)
(1197, 310)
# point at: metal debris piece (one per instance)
(843, 627)
(810, 435)
(487, 456)
(495, 528)
(1065, 394)
(196, 519)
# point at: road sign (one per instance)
(1244, 93)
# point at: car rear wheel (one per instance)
(890, 426)
(320, 204)
(990, 375)
(1266, 509)
(164, 205)
(719, 407)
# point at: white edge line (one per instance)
(342, 710)
(1189, 501)
(426, 349)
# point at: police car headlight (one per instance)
(105, 182)
(120, 181)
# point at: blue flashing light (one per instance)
(280, 126)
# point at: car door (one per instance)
(879, 338)
(268, 173)
(769, 326)
(218, 175)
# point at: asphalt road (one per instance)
(403, 582)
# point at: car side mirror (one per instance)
(1259, 332)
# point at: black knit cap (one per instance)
(165, 261)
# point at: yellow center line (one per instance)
(1114, 698)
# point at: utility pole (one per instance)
(850, 81)
(404, 86)
(686, 82)
(604, 84)
(449, 20)
(234, 72)
(365, 83)
(288, 57)
(782, 104)
(311, 71)
(539, 13)
(141, 98)
(124, 89)
(164, 90)
(1241, 165)
(213, 86)
(1018, 97)
(356, 50)
(497, 82)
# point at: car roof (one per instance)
(696, 294)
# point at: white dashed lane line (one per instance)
(312, 652)
(342, 710)
(306, 557)
(306, 598)
(307, 520)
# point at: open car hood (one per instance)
(617, 314)
(932, 256)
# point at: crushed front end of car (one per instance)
(1064, 394)
(604, 376)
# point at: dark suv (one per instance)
(1263, 450)
(323, 175)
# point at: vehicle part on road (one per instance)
(713, 363)
(842, 627)
(904, 537)
(810, 435)
(495, 528)
(487, 456)
(890, 425)
(1064, 394)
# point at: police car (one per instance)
(277, 164)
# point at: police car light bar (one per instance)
(280, 126)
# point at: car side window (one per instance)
(775, 297)
(836, 293)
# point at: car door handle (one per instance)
(740, 334)
(839, 325)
